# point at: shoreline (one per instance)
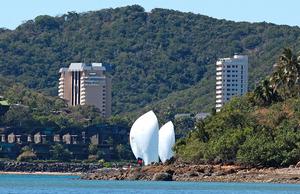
(199, 173)
(40, 173)
(160, 172)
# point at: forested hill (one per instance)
(159, 57)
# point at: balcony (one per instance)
(219, 101)
(219, 73)
(219, 83)
(219, 87)
(218, 91)
(61, 79)
(219, 69)
(218, 96)
(218, 78)
(218, 105)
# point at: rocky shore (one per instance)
(159, 172)
(203, 173)
(13, 166)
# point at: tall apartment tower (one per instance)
(82, 84)
(231, 78)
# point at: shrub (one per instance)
(26, 156)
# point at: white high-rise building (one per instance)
(231, 78)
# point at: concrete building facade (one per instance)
(231, 78)
(82, 84)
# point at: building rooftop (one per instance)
(77, 66)
(4, 103)
(82, 67)
(202, 115)
(234, 58)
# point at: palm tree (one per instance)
(286, 74)
(265, 93)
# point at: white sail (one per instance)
(166, 141)
(144, 138)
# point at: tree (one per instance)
(287, 74)
(123, 152)
(20, 116)
(264, 93)
(60, 153)
(93, 149)
(26, 154)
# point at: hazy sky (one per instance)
(14, 12)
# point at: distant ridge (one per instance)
(159, 58)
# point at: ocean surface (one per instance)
(46, 184)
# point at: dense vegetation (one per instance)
(31, 112)
(261, 128)
(159, 59)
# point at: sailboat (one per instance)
(144, 138)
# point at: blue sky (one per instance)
(14, 12)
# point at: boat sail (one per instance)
(166, 141)
(144, 138)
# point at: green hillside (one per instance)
(157, 58)
(258, 129)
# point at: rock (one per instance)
(169, 171)
(230, 171)
(219, 173)
(294, 178)
(170, 161)
(207, 174)
(135, 176)
(162, 177)
(298, 165)
(193, 174)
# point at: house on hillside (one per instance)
(4, 106)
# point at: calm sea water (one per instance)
(46, 184)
